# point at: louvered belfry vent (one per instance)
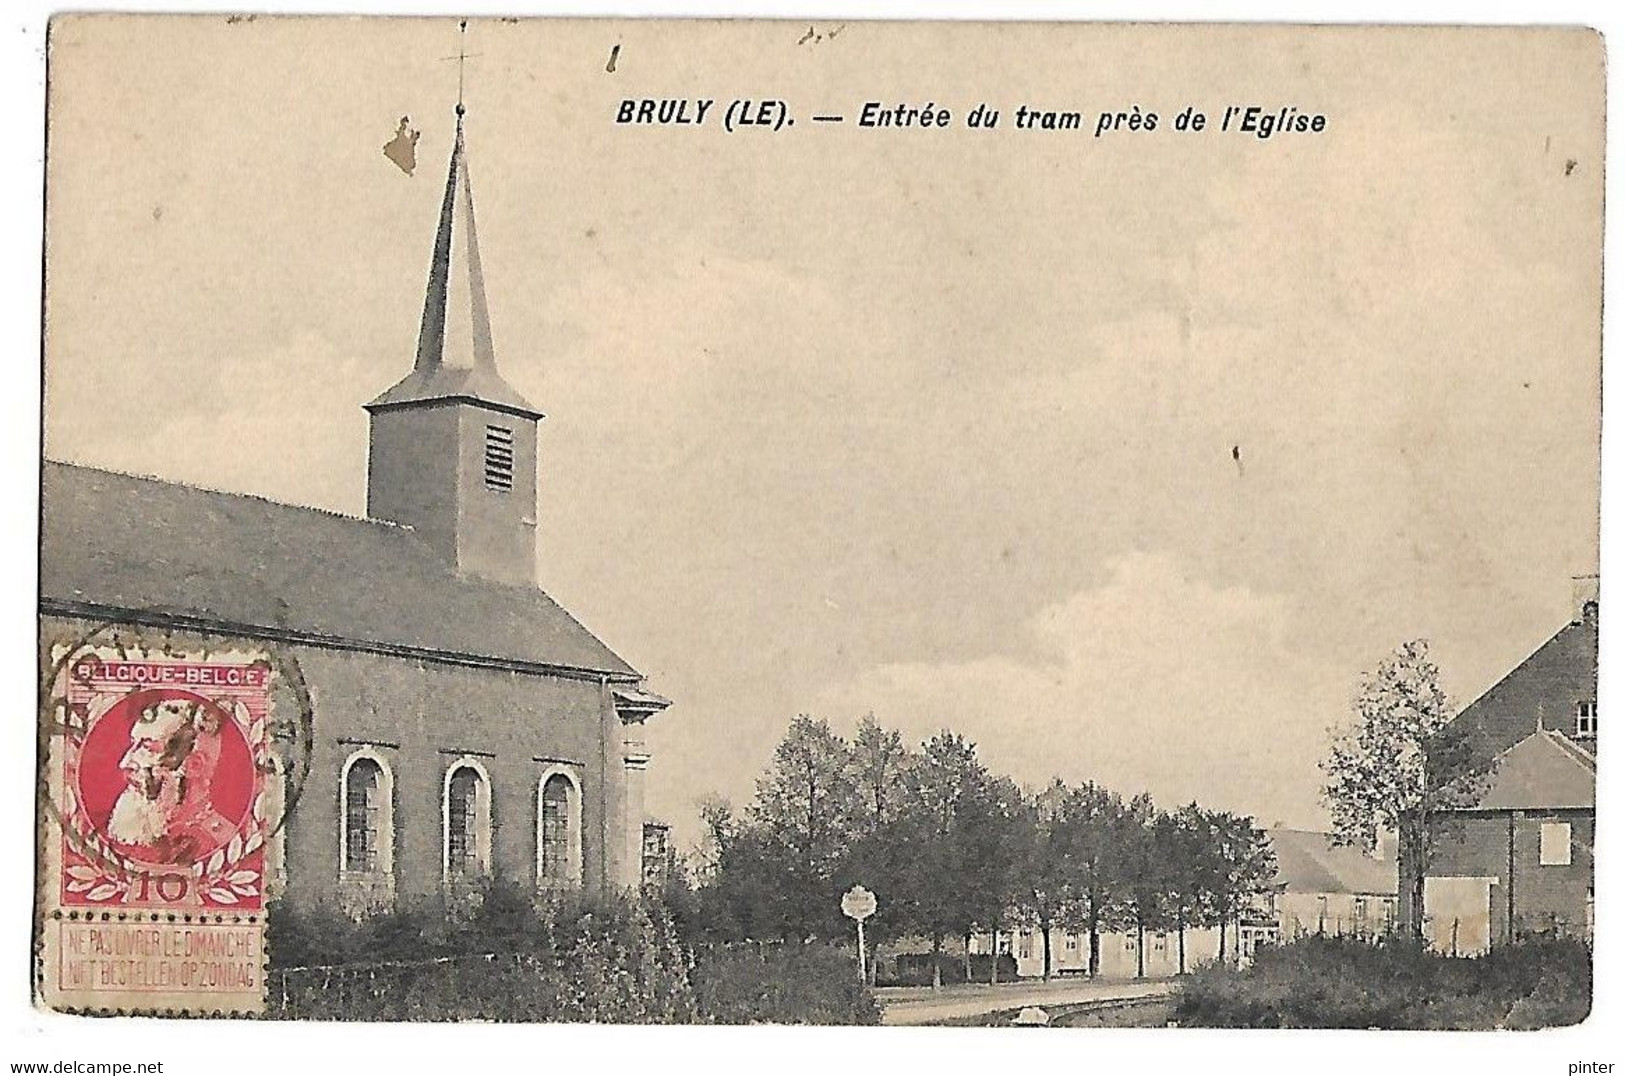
(499, 459)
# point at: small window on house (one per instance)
(499, 459)
(1359, 908)
(1004, 945)
(1585, 720)
(654, 840)
(657, 860)
(1071, 942)
(1026, 944)
(1554, 844)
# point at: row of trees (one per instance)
(952, 849)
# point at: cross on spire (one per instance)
(455, 356)
(463, 55)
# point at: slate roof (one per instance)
(1541, 690)
(1543, 771)
(1307, 862)
(456, 358)
(435, 383)
(114, 544)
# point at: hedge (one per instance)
(506, 954)
(1348, 983)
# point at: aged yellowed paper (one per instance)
(849, 522)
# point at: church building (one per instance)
(439, 719)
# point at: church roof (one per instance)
(118, 547)
(456, 359)
(1308, 862)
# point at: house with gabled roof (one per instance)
(1519, 860)
(1330, 889)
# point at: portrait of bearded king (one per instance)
(166, 813)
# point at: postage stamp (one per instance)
(157, 827)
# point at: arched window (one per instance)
(366, 816)
(558, 829)
(467, 821)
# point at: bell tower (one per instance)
(453, 445)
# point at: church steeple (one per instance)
(456, 358)
(453, 448)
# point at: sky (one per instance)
(941, 425)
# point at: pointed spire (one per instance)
(456, 358)
(456, 328)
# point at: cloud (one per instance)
(285, 422)
(1154, 681)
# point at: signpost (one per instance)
(859, 904)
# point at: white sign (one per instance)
(858, 903)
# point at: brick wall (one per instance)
(1505, 845)
(1547, 685)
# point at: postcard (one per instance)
(992, 524)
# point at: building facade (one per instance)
(1329, 889)
(1319, 888)
(1119, 951)
(439, 719)
(1520, 860)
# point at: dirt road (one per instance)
(908, 1006)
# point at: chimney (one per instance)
(1386, 848)
(1585, 599)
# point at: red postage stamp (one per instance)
(157, 775)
